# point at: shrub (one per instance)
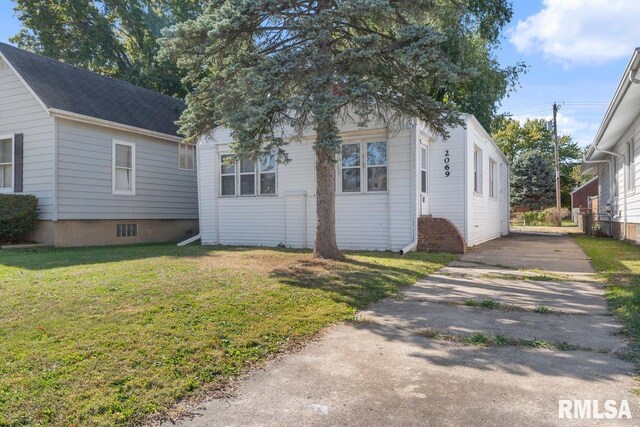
(545, 217)
(18, 216)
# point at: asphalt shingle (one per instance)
(68, 88)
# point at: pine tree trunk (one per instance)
(325, 245)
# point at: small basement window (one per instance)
(126, 230)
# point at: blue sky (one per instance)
(576, 51)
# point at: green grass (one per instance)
(618, 265)
(112, 335)
(542, 309)
(484, 303)
(482, 340)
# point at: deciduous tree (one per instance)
(117, 38)
(515, 139)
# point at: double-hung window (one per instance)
(267, 165)
(351, 168)
(186, 157)
(227, 176)
(614, 175)
(124, 168)
(377, 166)
(7, 162)
(363, 159)
(423, 170)
(477, 170)
(631, 165)
(493, 178)
(246, 177)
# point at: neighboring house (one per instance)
(582, 195)
(395, 190)
(614, 155)
(102, 156)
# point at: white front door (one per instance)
(424, 177)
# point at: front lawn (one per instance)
(618, 264)
(111, 335)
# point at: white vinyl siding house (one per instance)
(613, 157)
(384, 181)
(464, 196)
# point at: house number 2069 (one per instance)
(447, 172)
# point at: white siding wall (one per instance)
(363, 221)
(447, 193)
(487, 217)
(85, 176)
(20, 112)
(619, 184)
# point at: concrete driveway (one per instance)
(408, 363)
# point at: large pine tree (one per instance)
(262, 66)
(533, 183)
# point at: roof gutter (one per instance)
(629, 77)
(55, 112)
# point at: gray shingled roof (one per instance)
(73, 89)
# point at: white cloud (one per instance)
(575, 32)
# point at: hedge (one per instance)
(18, 216)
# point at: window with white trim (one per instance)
(614, 175)
(227, 176)
(477, 170)
(377, 166)
(246, 177)
(124, 168)
(7, 163)
(631, 164)
(186, 157)
(350, 175)
(363, 159)
(493, 178)
(423, 170)
(267, 165)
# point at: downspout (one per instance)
(414, 207)
(611, 187)
(624, 187)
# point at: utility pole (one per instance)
(557, 158)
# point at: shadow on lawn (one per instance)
(46, 258)
(354, 282)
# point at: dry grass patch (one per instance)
(112, 335)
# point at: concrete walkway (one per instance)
(384, 371)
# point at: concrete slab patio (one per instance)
(383, 371)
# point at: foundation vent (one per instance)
(127, 230)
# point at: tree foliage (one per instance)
(117, 38)
(532, 181)
(264, 68)
(515, 139)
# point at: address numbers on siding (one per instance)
(447, 172)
